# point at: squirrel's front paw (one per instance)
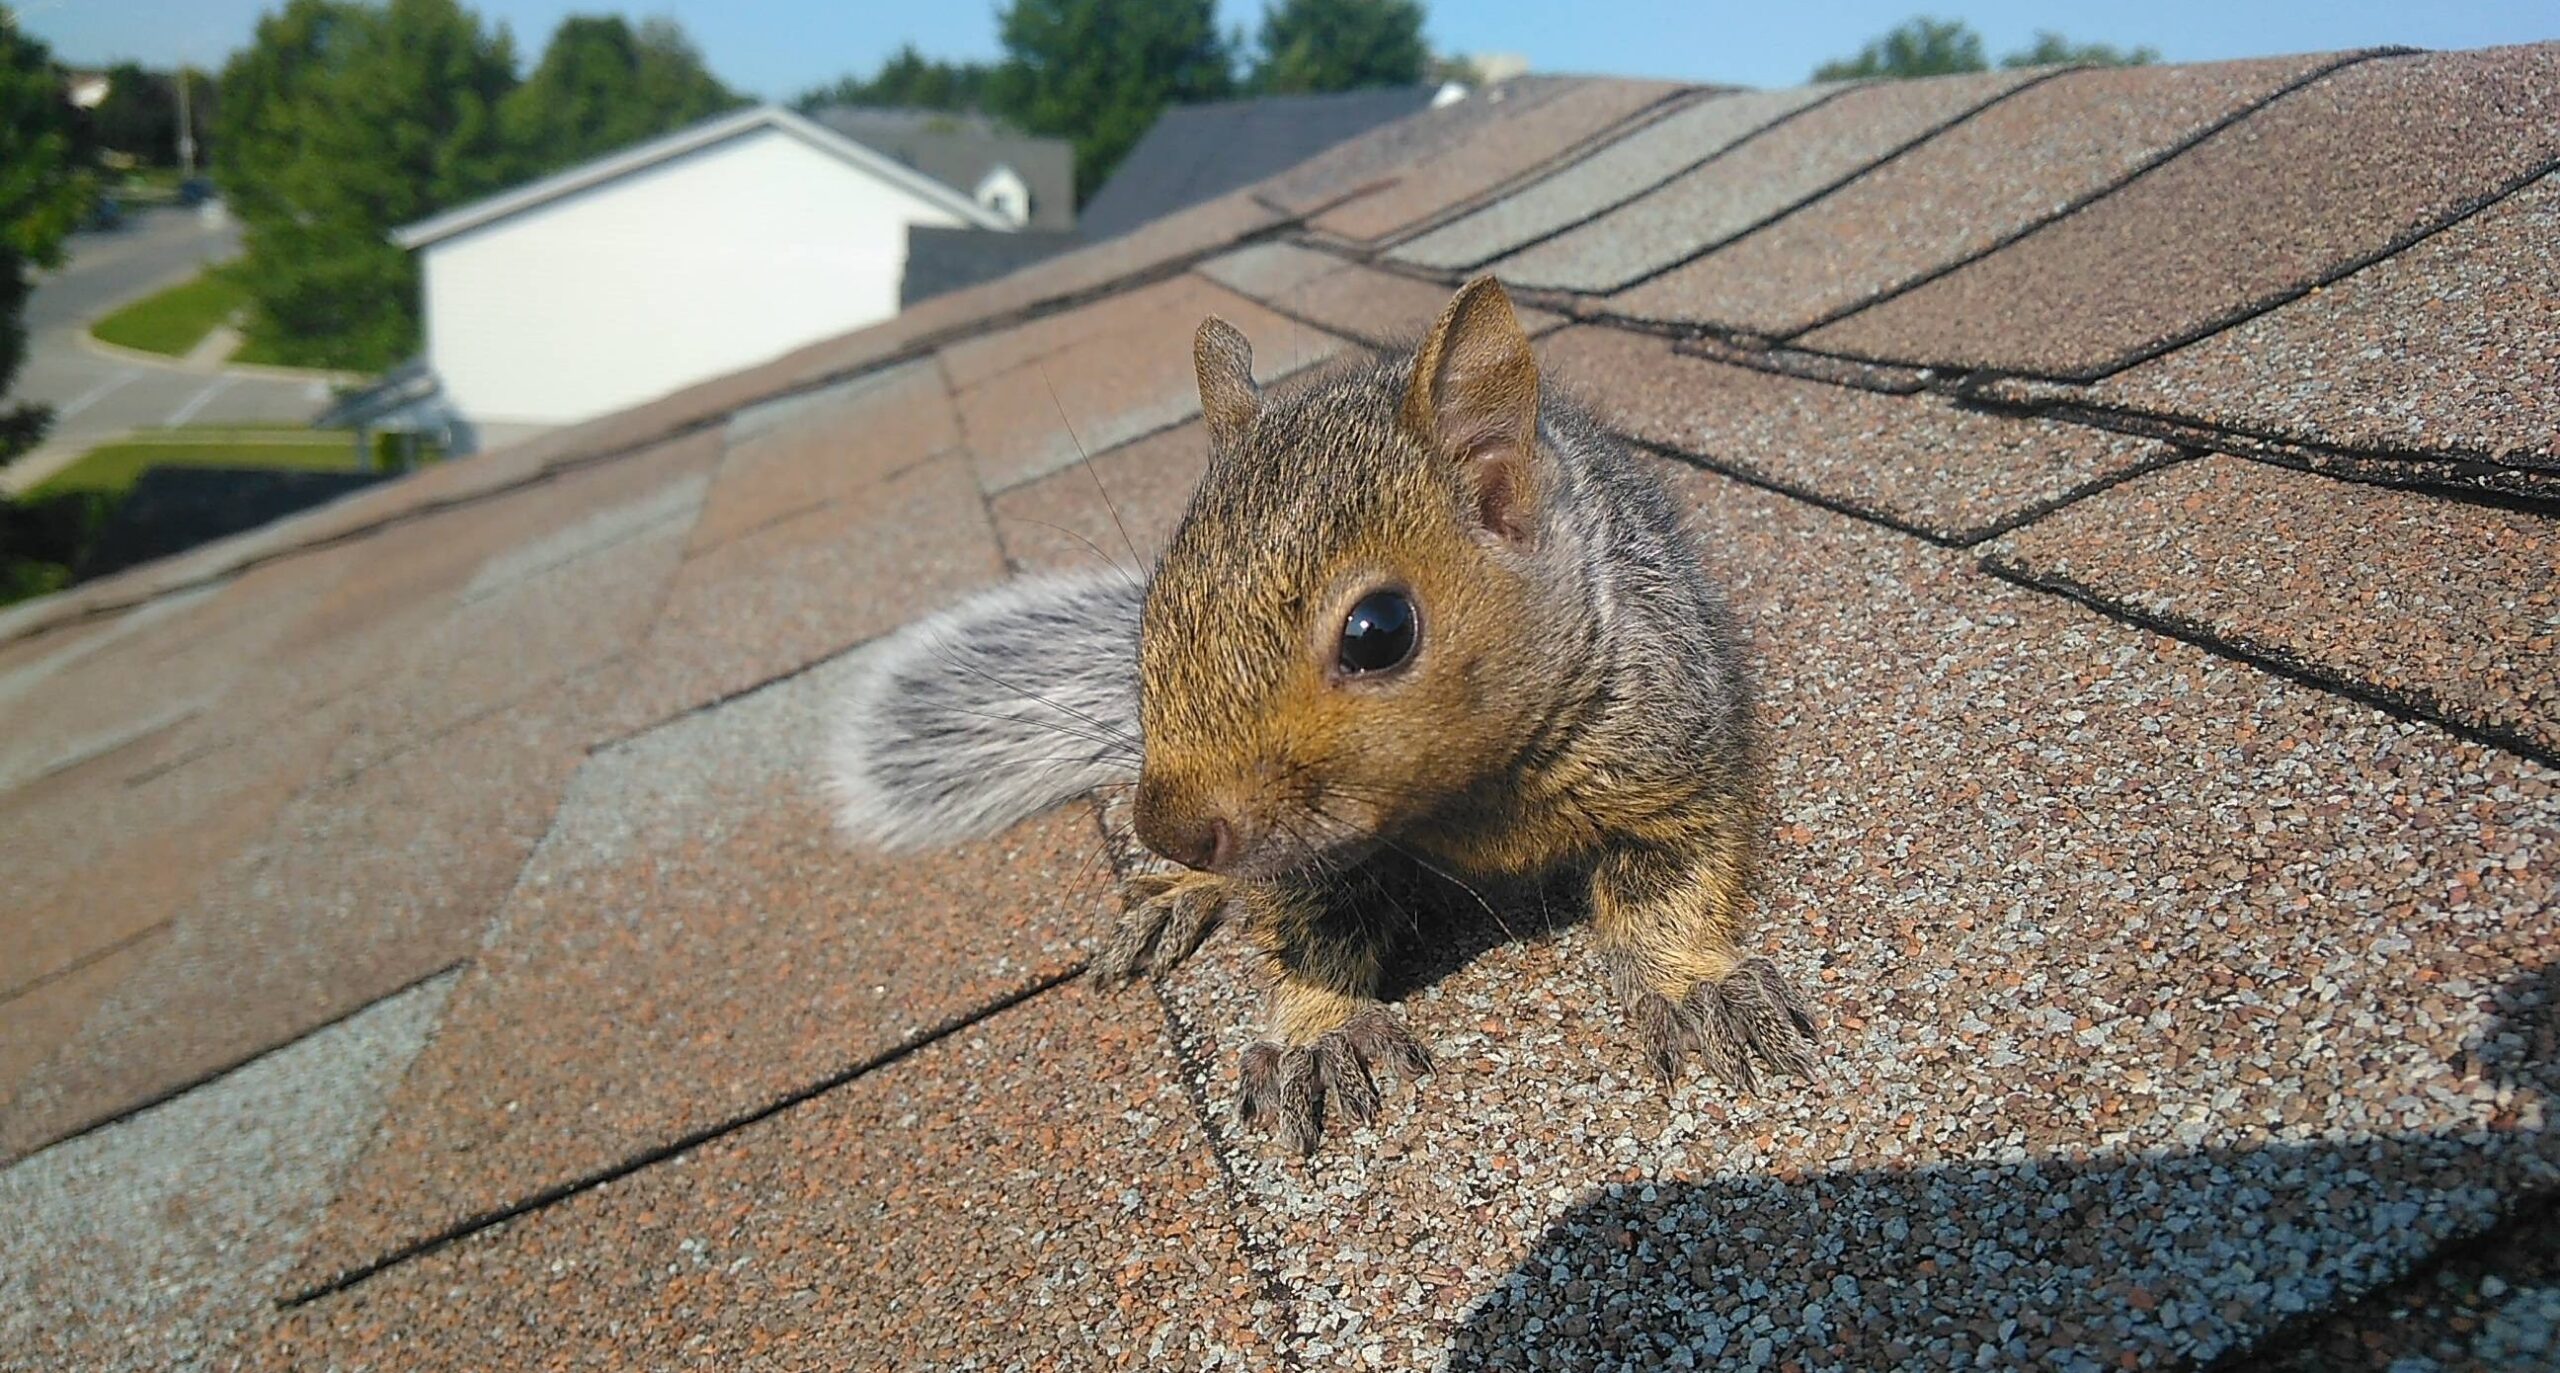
(1752, 1014)
(1286, 1087)
(1167, 916)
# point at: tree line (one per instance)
(1926, 46)
(1098, 72)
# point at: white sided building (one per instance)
(696, 255)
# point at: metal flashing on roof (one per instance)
(709, 133)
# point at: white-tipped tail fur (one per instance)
(989, 712)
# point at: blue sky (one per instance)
(779, 47)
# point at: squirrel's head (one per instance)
(1346, 631)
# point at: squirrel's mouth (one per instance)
(1307, 843)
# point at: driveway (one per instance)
(98, 396)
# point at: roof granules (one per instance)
(2166, 836)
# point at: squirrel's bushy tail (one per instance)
(989, 712)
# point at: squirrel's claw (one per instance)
(1286, 1088)
(1168, 917)
(1752, 1016)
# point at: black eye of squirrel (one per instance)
(1378, 633)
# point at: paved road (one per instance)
(96, 396)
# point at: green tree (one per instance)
(909, 80)
(45, 184)
(2053, 50)
(1098, 72)
(341, 122)
(603, 85)
(1921, 47)
(1340, 45)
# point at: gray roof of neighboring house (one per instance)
(1197, 151)
(959, 150)
(719, 129)
(941, 259)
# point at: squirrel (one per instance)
(1423, 610)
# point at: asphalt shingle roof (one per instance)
(2138, 491)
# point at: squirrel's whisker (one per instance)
(1098, 550)
(1087, 465)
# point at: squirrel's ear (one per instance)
(1228, 398)
(1474, 400)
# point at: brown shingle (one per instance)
(1610, 176)
(1985, 180)
(1115, 511)
(1033, 1191)
(2147, 981)
(2451, 346)
(1127, 374)
(551, 610)
(2447, 607)
(155, 1244)
(693, 943)
(2345, 168)
(790, 456)
(359, 888)
(1376, 158)
(35, 1019)
(774, 601)
(1272, 268)
(1916, 461)
(1752, 182)
(1496, 151)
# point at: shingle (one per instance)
(1126, 373)
(2332, 174)
(1115, 511)
(155, 1243)
(693, 943)
(1983, 181)
(1753, 182)
(1496, 150)
(133, 882)
(1034, 1191)
(769, 603)
(1609, 177)
(1383, 309)
(974, 361)
(36, 1019)
(1918, 461)
(2448, 607)
(548, 611)
(1269, 268)
(359, 889)
(1157, 247)
(790, 456)
(1379, 156)
(65, 841)
(2147, 979)
(2450, 346)
(1193, 152)
(137, 684)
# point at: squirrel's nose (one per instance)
(1208, 845)
(1202, 839)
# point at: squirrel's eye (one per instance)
(1378, 633)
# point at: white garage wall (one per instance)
(704, 264)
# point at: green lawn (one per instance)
(175, 320)
(117, 466)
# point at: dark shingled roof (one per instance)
(425, 947)
(1195, 152)
(960, 154)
